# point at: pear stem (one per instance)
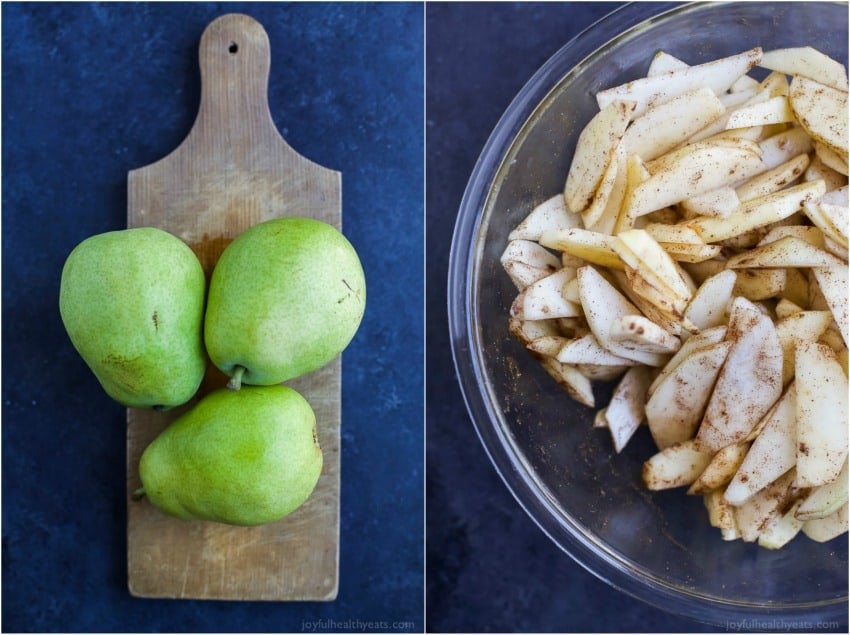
(139, 494)
(235, 382)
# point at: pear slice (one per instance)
(587, 350)
(603, 304)
(829, 527)
(720, 513)
(721, 470)
(801, 326)
(640, 333)
(675, 466)
(760, 509)
(789, 251)
(774, 179)
(808, 62)
(595, 148)
(757, 212)
(550, 215)
(594, 247)
(822, 414)
(781, 530)
(750, 381)
(543, 299)
(570, 379)
(821, 111)
(825, 499)
(625, 411)
(718, 75)
(707, 307)
(676, 405)
(665, 126)
(548, 345)
(772, 453)
(525, 262)
(704, 338)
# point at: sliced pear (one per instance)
(720, 202)
(721, 469)
(774, 110)
(772, 453)
(789, 251)
(774, 179)
(750, 380)
(831, 158)
(702, 339)
(760, 509)
(800, 326)
(550, 215)
(587, 350)
(833, 284)
(675, 466)
(781, 529)
(641, 333)
(784, 146)
(677, 403)
(759, 284)
(702, 169)
(808, 62)
(825, 499)
(603, 304)
(595, 148)
(662, 62)
(821, 111)
(611, 185)
(687, 252)
(526, 331)
(570, 379)
(666, 125)
(707, 307)
(819, 170)
(525, 262)
(829, 527)
(625, 411)
(594, 247)
(758, 212)
(831, 219)
(543, 299)
(822, 414)
(718, 75)
(547, 345)
(720, 513)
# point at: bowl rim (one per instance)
(509, 460)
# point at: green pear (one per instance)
(285, 298)
(132, 302)
(245, 457)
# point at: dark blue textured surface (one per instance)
(488, 566)
(91, 91)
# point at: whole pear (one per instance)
(245, 457)
(132, 302)
(285, 298)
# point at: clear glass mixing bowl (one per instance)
(657, 547)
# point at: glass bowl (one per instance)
(658, 547)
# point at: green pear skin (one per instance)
(285, 298)
(245, 457)
(132, 302)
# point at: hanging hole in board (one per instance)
(233, 48)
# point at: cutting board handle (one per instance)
(235, 57)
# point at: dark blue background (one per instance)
(91, 91)
(488, 566)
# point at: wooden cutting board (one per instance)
(232, 171)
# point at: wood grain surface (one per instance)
(232, 171)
